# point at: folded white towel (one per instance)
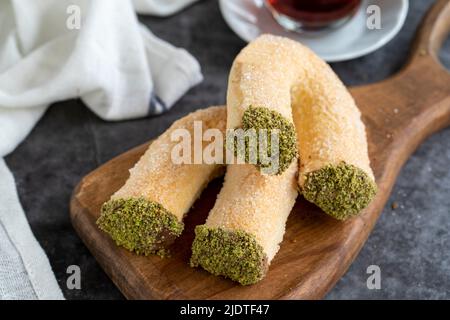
(25, 272)
(53, 50)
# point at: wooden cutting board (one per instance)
(399, 114)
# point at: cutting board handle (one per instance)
(432, 33)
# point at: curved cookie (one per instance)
(146, 214)
(244, 229)
(276, 77)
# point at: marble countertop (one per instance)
(410, 244)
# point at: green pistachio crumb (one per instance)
(260, 118)
(233, 254)
(341, 191)
(140, 225)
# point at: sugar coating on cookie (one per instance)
(146, 214)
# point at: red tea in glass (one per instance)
(301, 15)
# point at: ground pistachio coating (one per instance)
(231, 253)
(341, 191)
(263, 118)
(139, 225)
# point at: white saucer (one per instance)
(249, 18)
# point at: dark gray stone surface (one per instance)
(410, 244)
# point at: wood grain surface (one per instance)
(399, 114)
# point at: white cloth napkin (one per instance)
(113, 63)
(25, 272)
